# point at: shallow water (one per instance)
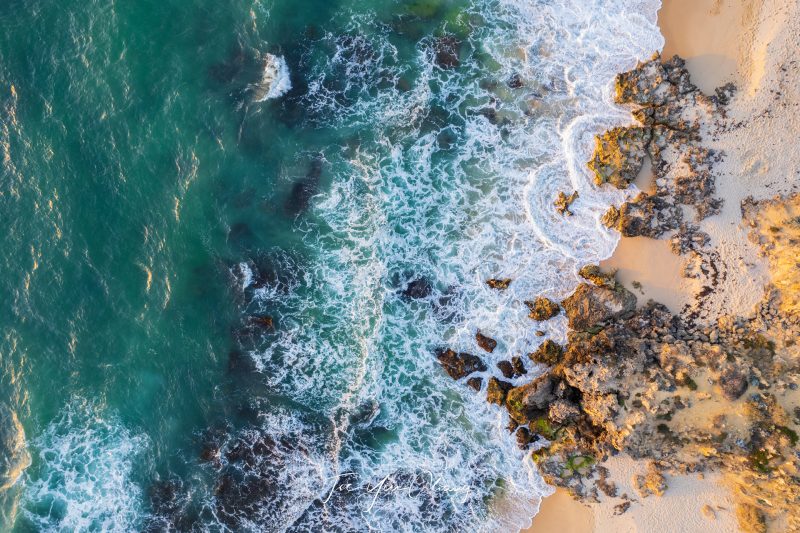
(160, 204)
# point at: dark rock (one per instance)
(590, 305)
(733, 384)
(305, 189)
(418, 289)
(524, 438)
(506, 368)
(264, 322)
(515, 82)
(446, 50)
(497, 390)
(645, 216)
(543, 309)
(598, 277)
(548, 353)
(459, 365)
(518, 365)
(499, 284)
(487, 343)
(475, 384)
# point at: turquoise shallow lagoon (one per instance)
(219, 312)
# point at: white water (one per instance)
(401, 206)
(80, 479)
(404, 206)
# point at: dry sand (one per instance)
(752, 43)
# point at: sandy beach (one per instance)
(749, 43)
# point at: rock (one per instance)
(563, 412)
(598, 277)
(733, 384)
(475, 384)
(543, 309)
(515, 82)
(506, 369)
(459, 365)
(590, 305)
(263, 321)
(651, 483)
(519, 366)
(563, 202)
(497, 390)
(751, 518)
(619, 154)
(487, 343)
(708, 512)
(548, 353)
(499, 284)
(524, 438)
(446, 51)
(644, 216)
(528, 401)
(418, 289)
(512, 369)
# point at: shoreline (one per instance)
(701, 33)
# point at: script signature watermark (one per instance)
(395, 483)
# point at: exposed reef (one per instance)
(684, 395)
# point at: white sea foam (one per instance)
(275, 79)
(80, 479)
(456, 212)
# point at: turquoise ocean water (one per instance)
(220, 303)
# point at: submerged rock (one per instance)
(275, 80)
(446, 51)
(543, 309)
(418, 289)
(305, 189)
(459, 365)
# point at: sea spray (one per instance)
(452, 180)
(80, 479)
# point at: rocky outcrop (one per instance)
(548, 353)
(619, 155)
(543, 309)
(591, 305)
(531, 400)
(497, 391)
(459, 365)
(644, 216)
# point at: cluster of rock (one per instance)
(684, 396)
(668, 108)
(628, 381)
